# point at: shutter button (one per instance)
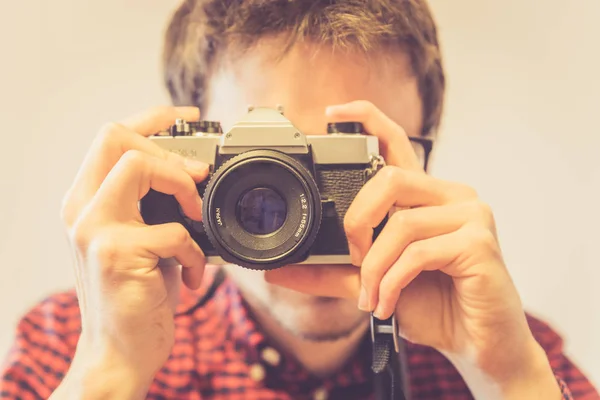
(271, 356)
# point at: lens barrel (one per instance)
(262, 210)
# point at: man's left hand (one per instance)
(437, 264)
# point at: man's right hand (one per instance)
(126, 301)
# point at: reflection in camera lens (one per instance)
(261, 211)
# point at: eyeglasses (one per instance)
(422, 147)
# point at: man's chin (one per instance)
(308, 317)
(328, 336)
(320, 319)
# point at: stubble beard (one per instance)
(294, 327)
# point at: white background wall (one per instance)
(521, 126)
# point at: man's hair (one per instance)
(202, 30)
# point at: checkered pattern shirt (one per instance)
(220, 353)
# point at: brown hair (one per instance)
(200, 30)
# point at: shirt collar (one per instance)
(278, 369)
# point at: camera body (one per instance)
(274, 196)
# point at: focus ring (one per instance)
(250, 170)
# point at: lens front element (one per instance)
(262, 210)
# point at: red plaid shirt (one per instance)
(220, 353)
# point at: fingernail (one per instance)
(332, 109)
(354, 254)
(363, 299)
(378, 312)
(195, 164)
(189, 110)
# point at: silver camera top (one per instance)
(268, 128)
(264, 127)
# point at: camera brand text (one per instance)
(218, 216)
(190, 153)
(302, 225)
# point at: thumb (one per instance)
(341, 281)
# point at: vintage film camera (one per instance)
(274, 196)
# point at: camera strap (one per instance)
(389, 362)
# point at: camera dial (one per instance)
(198, 128)
(348, 128)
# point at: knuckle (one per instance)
(484, 213)
(459, 192)
(80, 234)
(98, 253)
(467, 191)
(181, 235)
(103, 249)
(109, 133)
(134, 158)
(67, 210)
(402, 222)
(484, 240)
(483, 207)
(390, 173)
(391, 178)
(352, 226)
(487, 240)
(416, 254)
(98, 245)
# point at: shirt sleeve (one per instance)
(573, 383)
(41, 353)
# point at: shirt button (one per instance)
(271, 356)
(257, 372)
(320, 394)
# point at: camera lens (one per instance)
(261, 211)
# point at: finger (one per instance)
(116, 141)
(394, 143)
(172, 240)
(403, 228)
(341, 281)
(192, 277)
(131, 179)
(446, 253)
(394, 187)
(108, 147)
(158, 119)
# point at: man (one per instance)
(298, 332)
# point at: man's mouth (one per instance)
(326, 300)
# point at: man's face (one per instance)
(305, 82)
